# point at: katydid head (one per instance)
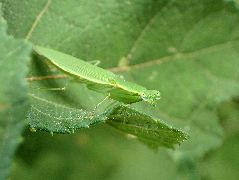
(150, 96)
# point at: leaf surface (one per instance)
(14, 56)
(54, 117)
(148, 129)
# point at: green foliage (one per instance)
(146, 128)
(61, 119)
(14, 56)
(188, 50)
(53, 117)
(223, 162)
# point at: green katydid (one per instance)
(98, 79)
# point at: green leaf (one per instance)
(186, 49)
(58, 118)
(54, 117)
(222, 163)
(14, 56)
(228, 113)
(148, 129)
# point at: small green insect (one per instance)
(98, 79)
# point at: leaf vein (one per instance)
(37, 20)
(50, 102)
(145, 29)
(206, 50)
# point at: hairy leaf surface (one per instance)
(148, 129)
